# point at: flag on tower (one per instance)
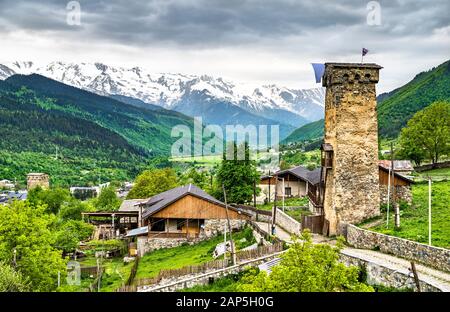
(318, 71)
(364, 51)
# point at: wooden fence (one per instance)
(93, 287)
(202, 268)
(133, 272)
(264, 233)
(92, 270)
(259, 252)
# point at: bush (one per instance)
(11, 280)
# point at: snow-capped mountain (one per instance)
(178, 91)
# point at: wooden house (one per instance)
(186, 211)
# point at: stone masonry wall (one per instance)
(380, 275)
(213, 227)
(402, 193)
(435, 257)
(351, 127)
(288, 223)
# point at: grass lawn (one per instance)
(298, 213)
(414, 219)
(436, 174)
(114, 276)
(177, 257)
(302, 201)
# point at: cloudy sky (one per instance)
(243, 40)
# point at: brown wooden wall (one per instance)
(266, 181)
(384, 179)
(192, 207)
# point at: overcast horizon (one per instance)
(243, 41)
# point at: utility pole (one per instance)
(225, 243)
(270, 178)
(274, 209)
(254, 193)
(233, 254)
(429, 210)
(389, 189)
(394, 199)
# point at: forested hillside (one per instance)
(146, 129)
(397, 107)
(77, 137)
(311, 131)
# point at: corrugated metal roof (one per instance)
(399, 165)
(139, 231)
(131, 204)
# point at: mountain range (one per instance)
(216, 100)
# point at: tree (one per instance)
(28, 229)
(52, 198)
(199, 178)
(70, 233)
(107, 200)
(72, 210)
(307, 267)
(152, 182)
(427, 134)
(238, 176)
(11, 280)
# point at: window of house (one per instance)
(180, 224)
(158, 225)
(287, 191)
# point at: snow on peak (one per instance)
(167, 89)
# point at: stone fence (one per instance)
(178, 283)
(445, 164)
(435, 257)
(378, 274)
(288, 223)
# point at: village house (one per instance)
(116, 224)
(400, 180)
(8, 197)
(6, 184)
(299, 182)
(288, 183)
(185, 214)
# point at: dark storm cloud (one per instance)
(219, 23)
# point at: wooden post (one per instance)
(416, 277)
(274, 208)
(429, 211)
(389, 189)
(233, 254)
(254, 193)
(394, 197)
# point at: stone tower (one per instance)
(37, 179)
(351, 144)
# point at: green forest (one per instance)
(75, 136)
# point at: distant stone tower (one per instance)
(351, 145)
(37, 179)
